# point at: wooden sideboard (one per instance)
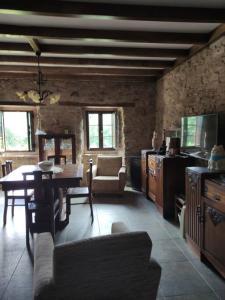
(144, 168)
(205, 215)
(165, 178)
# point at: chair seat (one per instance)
(78, 192)
(19, 193)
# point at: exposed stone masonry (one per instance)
(195, 87)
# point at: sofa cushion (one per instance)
(109, 165)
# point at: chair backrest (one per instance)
(109, 165)
(7, 167)
(44, 200)
(57, 159)
(90, 176)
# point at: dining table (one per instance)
(63, 177)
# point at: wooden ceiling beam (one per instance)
(81, 77)
(122, 11)
(98, 50)
(79, 71)
(120, 35)
(34, 45)
(86, 61)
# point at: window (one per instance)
(16, 131)
(101, 130)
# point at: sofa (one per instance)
(115, 266)
(109, 175)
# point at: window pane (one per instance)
(93, 122)
(108, 121)
(93, 142)
(107, 142)
(93, 119)
(2, 147)
(16, 134)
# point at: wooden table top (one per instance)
(63, 176)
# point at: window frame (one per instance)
(30, 130)
(100, 129)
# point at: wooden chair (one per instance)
(79, 192)
(57, 158)
(13, 194)
(42, 210)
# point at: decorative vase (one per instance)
(217, 158)
(154, 140)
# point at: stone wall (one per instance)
(195, 87)
(136, 123)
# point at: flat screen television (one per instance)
(200, 133)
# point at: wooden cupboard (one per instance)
(213, 225)
(57, 144)
(144, 164)
(193, 191)
(166, 177)
(205, 215)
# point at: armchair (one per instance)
(116, 266)
(109, 175)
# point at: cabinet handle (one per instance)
(216, 216)
(217, 197)
(205, 189)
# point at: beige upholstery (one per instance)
(116, 266)
(109, 175)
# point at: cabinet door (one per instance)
(213, 245)
(193, 207)
(159, 183)
(143, 173)
(152, 184)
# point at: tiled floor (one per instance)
(183, 275)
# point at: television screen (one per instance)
(199, 134)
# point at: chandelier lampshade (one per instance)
(39, 95)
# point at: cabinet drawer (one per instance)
(151, 162)
(214, 191)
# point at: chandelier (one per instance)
(39, 95)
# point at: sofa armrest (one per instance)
(43, 276)
(154, 278)
(111, 265)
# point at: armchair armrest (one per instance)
(122, 177)
(43, 278)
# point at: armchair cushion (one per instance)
(108, 165)
(106, 184)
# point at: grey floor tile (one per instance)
(210, 296)
(180, 278)
(167, 251)
(210, 275)
(187, 251)
(221, 294)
